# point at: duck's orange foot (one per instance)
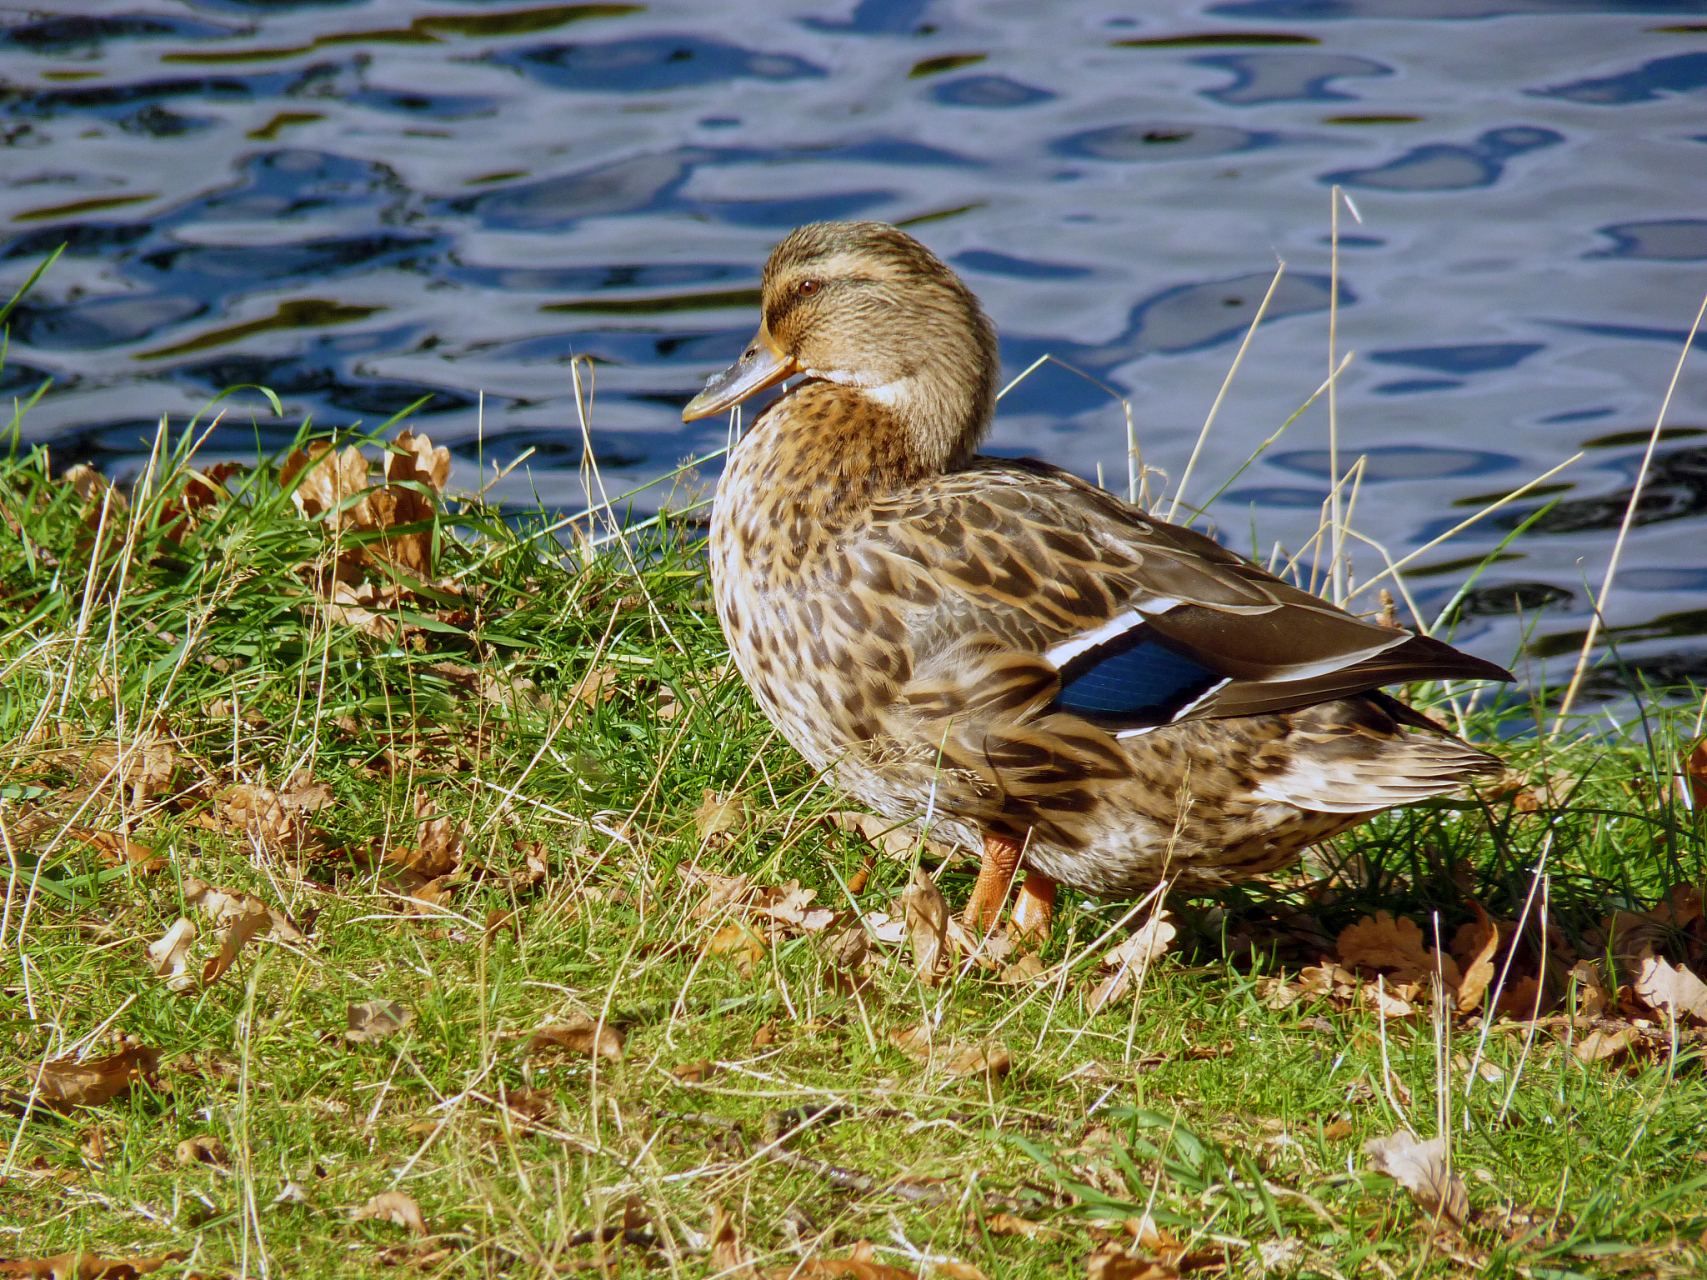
(1034, 913)
(1036, 906)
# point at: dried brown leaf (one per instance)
(253, 921)
(1597, 1046)
(1383, 943)
(1479, 971)
(374, 1020)
(580, 1034)
(861, 1264)
(1521, 1000)
(792, 905)
(914, 1041)
(1112, 1262)
(596, 687)
(1145, 945)
(499, 921)
(741, 944)
(394, 1207)
(1675, 992)
(895, 841)
(305, 794)
(329, 478)
(65, 1084)
(845, 944)
(199, 1150)
(1594, 997)
(726, 892)
(527, 1106)
(1008, 1224)
(116, 849)
(1421, 1169)
(992, 1060)
(730, 1255)
(86, 1266)
(1028, 968)
(926, 914)
(169, 956)
(1695, 772)
(1386, 1000)
(721, 817)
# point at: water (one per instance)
(359, 204)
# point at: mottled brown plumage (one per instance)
(913, 616)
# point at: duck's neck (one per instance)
(824, 453)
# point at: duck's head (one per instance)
(869, 308)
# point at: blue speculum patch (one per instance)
(1134, 678)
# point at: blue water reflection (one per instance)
(1439, 166)
(1286, 77)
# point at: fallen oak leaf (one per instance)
(730, 1255)
(596, 687)
(500, 921)
(374, 1020)
(884, 927)
(118, 850)
(1139, 951)
(578, 1035)
(1112, 1262)
(792, 905)
(1421, 1169)
(529, 1107)
(65, 1084)
(169, 956)
(991, 1060)
(1381, 942)
(914, 1041)
(328, 479)
(194, 1151)
(230, 906)
(861, 1264)
(1008, 1224)
(737, 940)
(1594, 998)
(1521, 1001)
(926, 913)
(726, 891)
(1479, 972)
(1675, 992)
(1598, 1046)
(1028, 968)
(1695, 773)
(394, 1207)
(721, 817)
(254, 919)
(86, 1266)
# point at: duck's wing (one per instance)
(1135, 622)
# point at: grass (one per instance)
(511, 729)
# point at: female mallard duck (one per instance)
(1038, 666)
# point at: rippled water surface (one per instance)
(364, 203)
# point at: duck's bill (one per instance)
(762, 366)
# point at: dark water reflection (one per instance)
(365, 203)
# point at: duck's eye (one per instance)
(807, 288)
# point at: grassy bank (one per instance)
(456, 820)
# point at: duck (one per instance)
(1035, 671)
